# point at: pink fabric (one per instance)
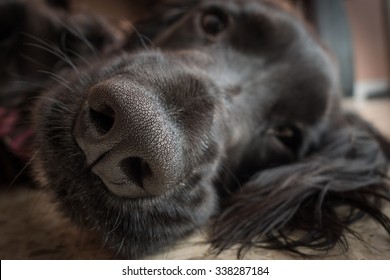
(13, 134)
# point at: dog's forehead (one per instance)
(251, 7)
(252, 25)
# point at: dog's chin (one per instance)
(132, 227)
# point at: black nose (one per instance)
(129, 139)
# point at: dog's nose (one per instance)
(129, 140)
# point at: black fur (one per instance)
(251, 111)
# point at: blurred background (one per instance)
(358, 33)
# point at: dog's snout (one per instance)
(129, 140)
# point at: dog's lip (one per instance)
(116, 183)
(123, 189)
(117, 187)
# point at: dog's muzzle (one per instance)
(128, 139)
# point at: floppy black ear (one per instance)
(311, 203)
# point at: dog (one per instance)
(223, 114)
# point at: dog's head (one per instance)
(232, 112)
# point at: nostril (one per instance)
(103, 120)
(128, 139)
(136, 170)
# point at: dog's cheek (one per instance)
(53, 116)
(38, 171)
(59, 166)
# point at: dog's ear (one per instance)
(310, 203)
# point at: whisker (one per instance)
(32, 60)
(117, 222)
(45, 43)
(57, 78)
(54, 49)
(60, 106)
(77, 32)
(54, 52)
(141, 38)
(80, 57)
(24, 84)
(22, 170)
(120, 246)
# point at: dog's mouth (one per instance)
(134, 142)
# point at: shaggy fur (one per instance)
(216, 112)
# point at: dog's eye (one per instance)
(288, 135)
(214, 22)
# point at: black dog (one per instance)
(231, 116)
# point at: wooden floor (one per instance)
(31, 228)
(377, 111)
